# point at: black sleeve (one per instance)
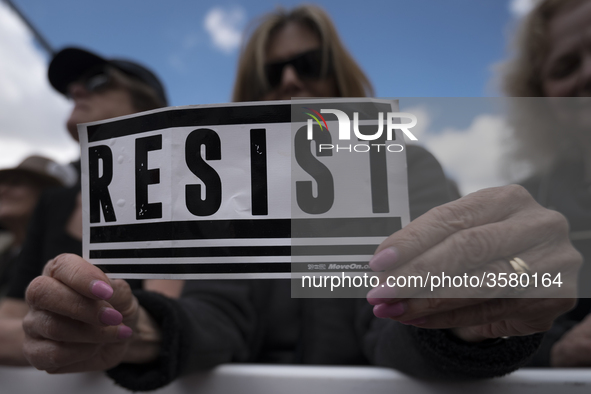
(435, 354)
(173, 323)
(211, 324)
(438, 355)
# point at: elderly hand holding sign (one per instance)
(480, 232)
(79, 320)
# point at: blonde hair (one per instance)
(534, 128)
(251, 83)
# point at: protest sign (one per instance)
(244, 190)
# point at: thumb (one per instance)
(124, 301)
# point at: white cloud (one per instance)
(520, 8)
(32, 115)
(421, 129)
(225, 27)
(474, 156)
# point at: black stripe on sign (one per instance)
(232, 115)
(191, 117)
(247, 228)
(233, 251)
(226, 268)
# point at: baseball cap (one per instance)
(69, 64)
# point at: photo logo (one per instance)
(316, 119)
(344, 123)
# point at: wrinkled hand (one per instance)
(476, 234)
(574, 348)
(78, 319)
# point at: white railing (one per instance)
(271, 379)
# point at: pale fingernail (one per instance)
(101, 290)
(389, 310)
(384, 260)
(124, 332)
(414, 322)
(111, 317)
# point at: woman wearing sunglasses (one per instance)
(299, 54)
(286, 59)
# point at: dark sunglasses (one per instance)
(96, 80)
(308, 65)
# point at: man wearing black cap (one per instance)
(100, 89)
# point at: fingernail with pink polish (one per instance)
(384, 259)
(389, 310)
(101, 290)
(111, 317)
(124, 332)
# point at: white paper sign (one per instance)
(248, 190)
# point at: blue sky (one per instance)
(408, 48)
(418, 48)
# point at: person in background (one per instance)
(20, 189)
(553, 60)
(299, 54)
(100, 89)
